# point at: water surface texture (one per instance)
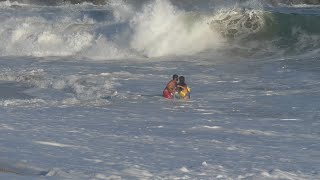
(81, 85)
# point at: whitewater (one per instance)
(81, 90)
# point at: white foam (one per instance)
(279, 174)
(55, 144)
(162, 29)
(138, 172)
(212, 127)
(305, 5)
(290, 119)
(9, 3)
(112, 177)
(121, 10)
(65, 36)
(238, 23)
(103, 49)
(206, 128)
(184, 169)
(23, 102)
(6, 127)
(257, 132)
(35, 36)
(74, 89)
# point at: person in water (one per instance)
(183, 89)
(170, 89)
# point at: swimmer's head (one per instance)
(181, 79)
(175, 77)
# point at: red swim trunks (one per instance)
(167, 94)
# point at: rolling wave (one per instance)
(159, 28)
(258, 29)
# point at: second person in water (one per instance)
(177, 90)
(182, 89)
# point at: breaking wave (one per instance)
(268, 32)
(119, 29)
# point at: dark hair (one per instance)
(175, 76)
(181, 79)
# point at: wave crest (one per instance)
(159, 28)
(239, 23)
(162, 29)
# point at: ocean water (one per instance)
(81, 86)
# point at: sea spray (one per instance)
(162, 29)
(120, 29)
